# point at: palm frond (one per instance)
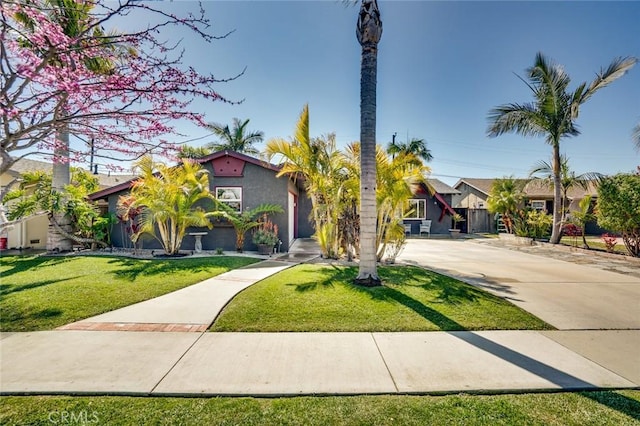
(519, 118)
(302, 126)
(616, 69)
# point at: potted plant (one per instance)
(455, 232)
(266, 236)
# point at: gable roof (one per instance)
(239, 156)
(203, 160)
(534, 188)
(441, 187)
(482, 185)
(540, 189)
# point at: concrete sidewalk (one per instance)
(72, 361)
(192, 308)
(275, 364)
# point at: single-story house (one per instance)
(242, 182)
(433, 203)
(31, 232)
(473, 193)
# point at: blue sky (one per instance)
(441, 67)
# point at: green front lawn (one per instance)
(41, 293)
(585, 408)
(313, 297)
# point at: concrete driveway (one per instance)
(567, 295)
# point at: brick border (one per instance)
(134, 326)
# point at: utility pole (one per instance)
(91, 158)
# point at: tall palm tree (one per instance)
(368, 32)
(636, 136)
(417, 147)
(552, 114)
(237, 138)
(543, 170)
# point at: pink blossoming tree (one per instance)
(62, 73)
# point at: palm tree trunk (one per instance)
(556, 231)
(56, 240)
(369, 30)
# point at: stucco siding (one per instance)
(433, 212)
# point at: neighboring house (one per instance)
(472, 201)
(432, 204)
(31, 232)
(242, 182)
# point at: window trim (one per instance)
(230, 200)
(417, 210)
(544, 205)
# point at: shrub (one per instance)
(266, 233)
(532, 223)
(619, 208)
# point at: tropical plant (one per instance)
(266, 233)
(237, 138)
(193, 152)
(531, 223)
(457, 217)
(397, 242)
(368, 32)
(582, 216)
(322, 169)
(552, 114)
(417, 147)
(127, 213)
(618, 208)
(35, 196)
(636, 136)
(246, 220)
(168, 197)
(505, 198)
(568, 179)
(397, 180)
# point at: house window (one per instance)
(230, 196)
(481, 204)
(539, 205)
(417, 209)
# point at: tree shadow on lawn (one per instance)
(8, 288)
(26, 263)
(450, 290)
(616, 401)
(331, 274)
(131, 269)
(13, 315)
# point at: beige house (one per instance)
(31, 232)
(474, 193)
